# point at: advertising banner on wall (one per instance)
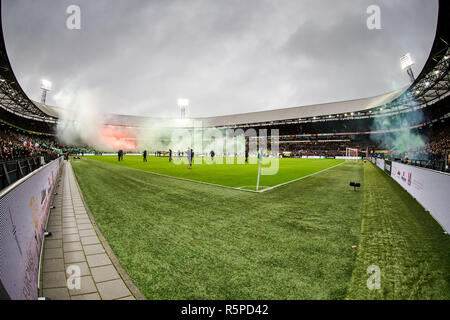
(23, 214)
(313, 157)
(387, 166)
(430, 188)
(380, 163)
(348, 158)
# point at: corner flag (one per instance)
(259, 168)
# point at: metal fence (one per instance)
(438, 165)
(11, 171)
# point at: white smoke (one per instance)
(179, 135)
(79, 123)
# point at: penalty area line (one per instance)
(301, 178)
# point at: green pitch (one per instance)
(179, 239)
(243, 176)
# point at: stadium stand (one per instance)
(325, 129)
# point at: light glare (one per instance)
(46, 85)
(183, 102)
(406, 61)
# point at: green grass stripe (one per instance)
(231, 175)
(400, 237)
(183, 240)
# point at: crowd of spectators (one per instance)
(436, 145)
(324, 148)
(15, 145)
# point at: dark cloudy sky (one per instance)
(226, 56)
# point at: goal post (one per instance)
(351, 154)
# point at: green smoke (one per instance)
(398, 135)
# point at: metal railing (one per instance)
(14, 170)
(438, 165)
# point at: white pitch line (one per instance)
(298, 179)
(184, 179)
(228, 187)
(242, 188)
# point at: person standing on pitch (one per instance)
(212, 155)
(189, 157)
(170, 155)
(118, 154)
(145, 155)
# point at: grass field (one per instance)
(179, 239)
(234, 175)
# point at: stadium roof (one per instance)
(318, 110)
(12, 97)
(431, 85)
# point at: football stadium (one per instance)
(344, 200)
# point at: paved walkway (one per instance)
(76, 241)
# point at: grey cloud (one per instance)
(229, 56)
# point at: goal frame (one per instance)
(351, 154)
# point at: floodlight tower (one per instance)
(46, 86)
(406, 63)
(183, 104)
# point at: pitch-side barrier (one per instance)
(24, 209)
(430, 188)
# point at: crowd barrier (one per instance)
(13, 170)
(24, 209)
(430, 188)
(380, 163)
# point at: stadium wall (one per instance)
(24, 209)
(430, 188)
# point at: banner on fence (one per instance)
(430, 188)
(24, 210)
(380, 163)
(387, 166)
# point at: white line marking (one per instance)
(298, 179)
(228, 187)
(242, 188)
(178, 178)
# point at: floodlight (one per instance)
(183, 102)
(46, 85)
(406, 61)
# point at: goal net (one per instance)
(351, 154)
